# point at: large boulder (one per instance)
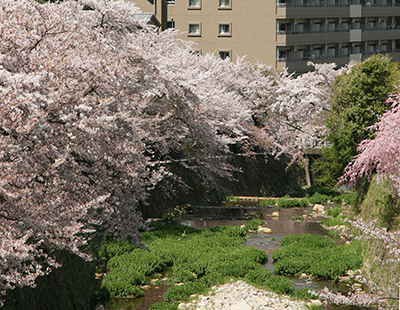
(318, 210)
(264, 230)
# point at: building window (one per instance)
(169, 2)
(224, 54)
(224, 4)
(225, 30)
(194, 4)
(170, 25)
(194, 30)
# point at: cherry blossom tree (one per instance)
(378, 297)
(295, 115)
(381, 154)
(92, 102)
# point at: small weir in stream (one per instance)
(206, 217)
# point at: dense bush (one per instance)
(316, 255)
(201, 257)
(182, 292)
(350, 198)
(287, 202)
(258, 276)
(267, 202)
(304, 293)
(280, 285)
(324, 190)
(334, 212)
(253, 224)
(319, 198)
(339, 220)
(114, 248)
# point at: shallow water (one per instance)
(285, 224)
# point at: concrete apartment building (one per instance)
(287, 33)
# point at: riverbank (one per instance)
(242, 296)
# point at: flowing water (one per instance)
(285, 224)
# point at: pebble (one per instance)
(242, 296)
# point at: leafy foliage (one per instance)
(359, 99)
(267, 202)
(316, 255)
(280, 285)
(319, 198)
(253, 224)
(182, 292)
(208, 256)
(287, 202)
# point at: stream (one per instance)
(285, 224)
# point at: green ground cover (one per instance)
(199, 259)
(316, 255)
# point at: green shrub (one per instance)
(316, 255)
(181, 275)
(287, 202)
(253, 224)
(304, 294)
(280, 285)
(212, 279)
(319, 198)
(350, 198)
(334, 212)
(258, 276)
(267, 202)
(230, 231)
(292, 265)
(204, 257)
(182, 292)
(340, 220)
(324, 190)
(118, 288)
(114, 248)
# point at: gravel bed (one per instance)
(242, 296)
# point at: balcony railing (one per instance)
(338, 29)
(321, 30)
(311, 57)
(325, 4)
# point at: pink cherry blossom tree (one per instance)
(295, 115)
(381, 154)
(92, 103)
(378, 296)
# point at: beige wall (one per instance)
(252, 24)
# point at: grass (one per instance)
(199, 259)
(253, 224)
(316, 255)
(267, 202)
(287, 202)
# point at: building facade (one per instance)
(287, 33)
